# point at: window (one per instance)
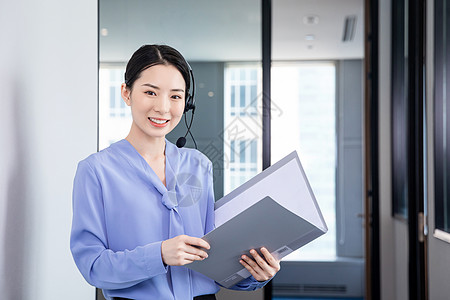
(242, 117)
(242, 88)
(114, 114)
(304, 119)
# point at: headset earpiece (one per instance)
(189, 104)
(190, 99)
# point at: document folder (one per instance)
(276, 209)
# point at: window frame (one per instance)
(441, 110)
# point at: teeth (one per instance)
(158, 121)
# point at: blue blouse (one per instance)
(122, 212)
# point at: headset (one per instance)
(190, 99)
(189, 105)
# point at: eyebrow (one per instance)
(157, 88)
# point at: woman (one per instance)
(141, 205)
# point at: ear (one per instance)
(126, 94)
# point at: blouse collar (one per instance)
(141, 166)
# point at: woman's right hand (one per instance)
(182, 250)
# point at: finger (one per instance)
(195, 241)
(268, 271)
(250, 269)
(257, 275)
(270, 259)
(196, 251)
(192, 257)
(187, 260)
(259, 260)
(252, 264)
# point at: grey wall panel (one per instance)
(209, 115)
(387, 253)
(349, 177)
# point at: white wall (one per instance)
(387, 267)
(48, 122)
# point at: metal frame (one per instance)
(416, 249)
(408, 121)
(266, 8)
(441, 68)
(372, 199)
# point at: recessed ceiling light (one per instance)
(104, 32)
(310, 37)
(311, 19)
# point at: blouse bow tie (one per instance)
(180, 277)
(169, 199)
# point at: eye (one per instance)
(150, 93)
(176, 97)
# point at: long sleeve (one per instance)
(249, 284)
(99, 265)
(121, 217)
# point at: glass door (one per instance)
(227, 125)
(317, 109)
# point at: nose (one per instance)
(162, 104)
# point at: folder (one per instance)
(275, 209)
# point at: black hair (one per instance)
(150, 55)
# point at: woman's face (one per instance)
(157, 100)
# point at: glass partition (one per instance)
(441, 121)
(400, 108)
(317, 81)
(304, 102)
(226, 126)
(316, 49)
(316, 98)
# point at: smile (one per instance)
(158, 122)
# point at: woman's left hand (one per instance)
(261, 268)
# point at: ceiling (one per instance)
(206, 30)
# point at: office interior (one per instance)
(357, 88)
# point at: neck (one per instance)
(151, 148)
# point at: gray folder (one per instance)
(265, 224)
(275, 209)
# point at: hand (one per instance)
(182, 250)
(262, 269)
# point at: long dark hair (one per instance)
(149, 55)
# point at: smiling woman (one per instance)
(212, 34)
(136, 222)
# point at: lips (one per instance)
(158, 122)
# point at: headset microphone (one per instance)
(189, 105)
(182, 140)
